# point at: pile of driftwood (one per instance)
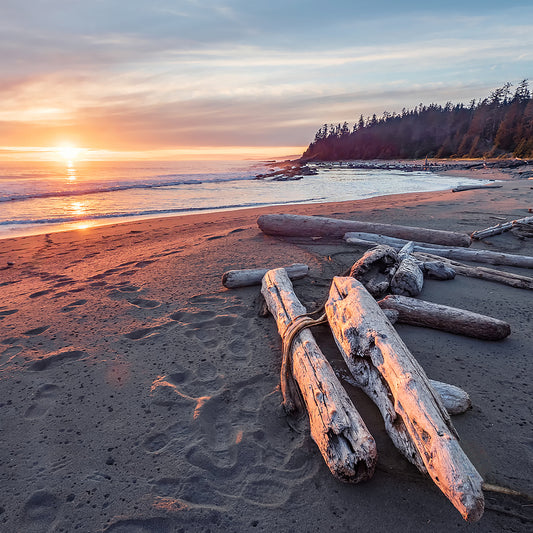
(360, 310)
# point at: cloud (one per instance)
(194, 72)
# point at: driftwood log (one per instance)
(415, 418)
(461, 188)
(500, 228)
(455, 399)
(308, 226)
(436, 270)
(479, 256)
(408, 278)
(489, 274)
(375, 269)
(442, 317)
(253, 276)
(342, 437)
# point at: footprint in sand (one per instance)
(55, 359)
(144, 333)
(144, 304)
(71, 306)
(40, 293)
(7, 312)
(9, 354)
(40, 511)
(43, 399)
(36, 331)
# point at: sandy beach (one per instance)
(139, 395)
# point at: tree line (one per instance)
(499, 125)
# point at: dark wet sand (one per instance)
(139, 395)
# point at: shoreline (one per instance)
(289, 170)
(137, 392)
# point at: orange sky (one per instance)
(192, 80)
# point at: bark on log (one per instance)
(253, 276)
(300, 226)
(375, 269)
(408, 278)
(480, 256)
(342, 437)
(387, 371)
(500, 228)
(455, 399)
(445, 318)
(489, 274)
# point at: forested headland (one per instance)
(500, 125)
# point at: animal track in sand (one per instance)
(43, 399)
(54, 359)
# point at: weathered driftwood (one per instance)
(375, 269)
(364, 238)
(431, 269)
(442, 317)
(436, 270)
(253, 276)
(415, 418)
(489, 274)
(461, 188)
(479, 256)
(342, 437)
(500, 228)
(455, 399)
(408, 278)
(307, 226)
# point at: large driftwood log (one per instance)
(489, 274)
(307, 226)
(500, 228)
(375, 269)
(342, 437)
(461, 188)
(445, 318)
(408, 278)
(253, 276)
(479, 256)
(413, 413)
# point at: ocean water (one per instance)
(44, 197)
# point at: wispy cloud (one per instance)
(193, 73)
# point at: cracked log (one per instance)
(375, 269)
(408, 278)
(414, 415)
(340, 433)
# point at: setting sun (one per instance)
(68, 152)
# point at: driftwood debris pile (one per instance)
(360, 310)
